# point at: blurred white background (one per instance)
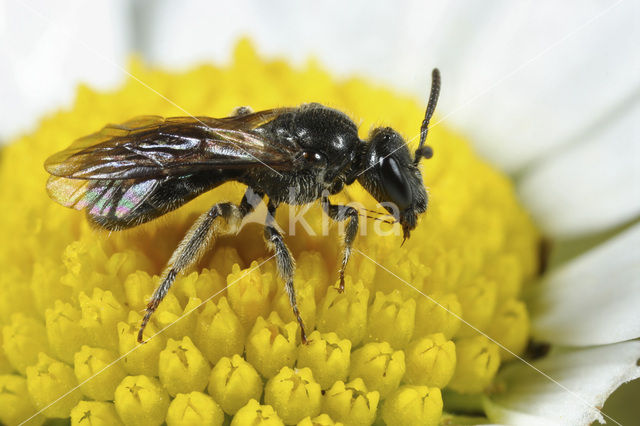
(549, 91)
(542, 65)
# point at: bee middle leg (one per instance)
(194, 244)
(340, 213)
(285, 262)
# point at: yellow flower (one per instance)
(255, 414)
(219, 332)
(293, 394)
(89, 362)
(233, 383)
(141, 400)
(100, 314)
(345, 313)
(391, 319)
(272, 345)
(49, 379)
(182, 367)
(379, 365)
(139, 359)
(443, 317)
(351, 403)
(431, 361)
(64, 331)
(413, 405)
(95, 413)
(477, 363)
(15, 401)
(71, 298)
(250, 296)
(24, 338)
(321, 420)
(194, 408)
(328, 356)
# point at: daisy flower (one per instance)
(456, 326)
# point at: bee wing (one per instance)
(101, 198)
(152, 147)
(130, 173)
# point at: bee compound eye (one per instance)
(395, 183)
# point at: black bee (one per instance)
(131, 173)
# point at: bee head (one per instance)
(391, 175)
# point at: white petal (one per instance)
(520, 78)
(591, 186)
(588, 376)
(545, 73)
(338, 33)
(48, 48)
(594, 299)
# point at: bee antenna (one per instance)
(375, 212)
(425, 151)
(377, 218)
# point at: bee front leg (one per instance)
(284, 261)
(194, 244)
(340, 213)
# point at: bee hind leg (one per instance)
(194, 244)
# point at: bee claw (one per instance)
(140, 338)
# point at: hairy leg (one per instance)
(340, 213)
(284, 261)
(194, 244)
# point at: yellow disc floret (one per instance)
(194, 409)
(233, 383)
